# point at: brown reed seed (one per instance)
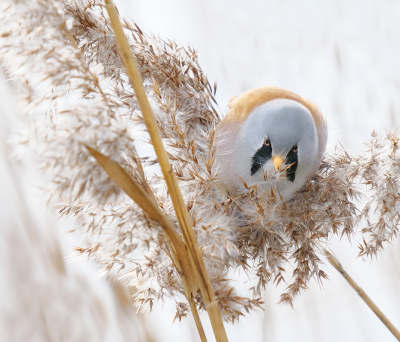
(169, 176)
(335, 263)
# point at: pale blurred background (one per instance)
(344, 55)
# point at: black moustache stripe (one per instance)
(292, 160)
(260, 158)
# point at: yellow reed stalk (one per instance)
(335, 263)
(147, 203)
(169, 176)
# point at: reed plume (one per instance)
(63, 59)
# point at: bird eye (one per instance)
(267, 142)
(295, 148)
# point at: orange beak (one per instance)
(278, 161)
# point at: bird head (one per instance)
(269, 130)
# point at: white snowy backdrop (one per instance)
(344, 55)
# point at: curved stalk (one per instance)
(335, 263)
(169, 176)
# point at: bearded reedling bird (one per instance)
(266, 129)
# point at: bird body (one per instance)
(267, 129)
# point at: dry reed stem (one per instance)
(148, 205)
(169, 176)
(196, 317)
(335, 263)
